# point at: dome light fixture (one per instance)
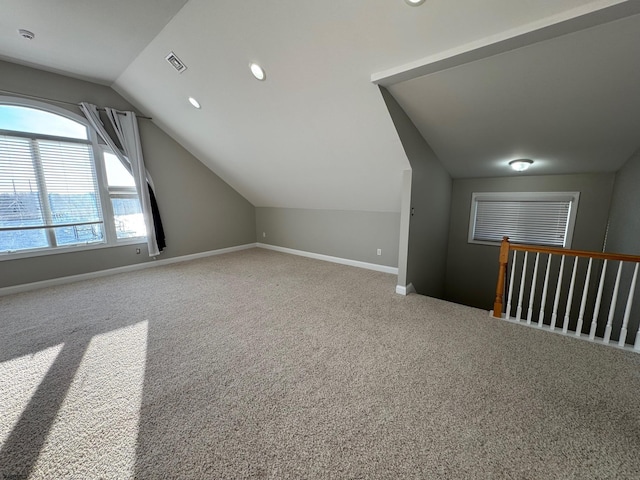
(414, 3)
(257, 71)
(521, 164)
(195, 103)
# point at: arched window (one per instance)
(59, 189)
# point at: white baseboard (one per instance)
(25, 287)
(329, 258)
(402, 290)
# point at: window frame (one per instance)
(97, 149)
(572, 197)
(117, 191)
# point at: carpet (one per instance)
(258, 364)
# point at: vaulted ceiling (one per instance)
(91, 39)
(316, 133)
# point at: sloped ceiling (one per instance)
(89, 39)
(571, 104)
(316, 133)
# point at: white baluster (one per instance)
(596, 309)
(554, 315)
(543, 300)
(627, 310)
(567, 312)
(612, 308)
(583, 304)
(524, 271)
(513, 270)
(533, 289)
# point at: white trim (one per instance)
(25, 287)
(328, 258)
(402, 290)
(564, 23)
(41, 252)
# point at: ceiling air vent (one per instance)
(175, 62)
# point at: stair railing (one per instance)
(534, 275)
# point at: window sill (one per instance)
(497, 244)
(21, 255)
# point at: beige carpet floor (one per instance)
(258, 364)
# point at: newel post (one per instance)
(503, 259)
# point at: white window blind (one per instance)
(535, 218)
(48, 194)
(19, 193)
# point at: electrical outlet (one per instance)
(379, 251)
(264, 234)
(137, 251)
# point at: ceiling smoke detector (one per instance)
(175, 62)
(26, 34)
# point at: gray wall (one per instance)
(200, 212)
(472, 269)
(624, 219)
(430, 203)
(354, 235)
(405, 222)
(624, 236)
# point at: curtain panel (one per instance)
(125, 126)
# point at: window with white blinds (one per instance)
(533, 218)
(48, 194)
(53, 187)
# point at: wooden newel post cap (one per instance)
(504, 250)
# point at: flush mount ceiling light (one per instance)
(414, 3)
(26, 34)
(257, 71)
(194, 102)
(521, 164)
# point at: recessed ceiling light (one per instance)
(521, 164)
(414, 3)
(257, 71)
(26, 34)
(194, 102)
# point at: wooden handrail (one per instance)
(572, 253)
(503, 260)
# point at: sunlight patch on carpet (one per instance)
(20, 378)
(95, 432)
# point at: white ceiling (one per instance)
(89, 39)
(316, 133)
(571, 104)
